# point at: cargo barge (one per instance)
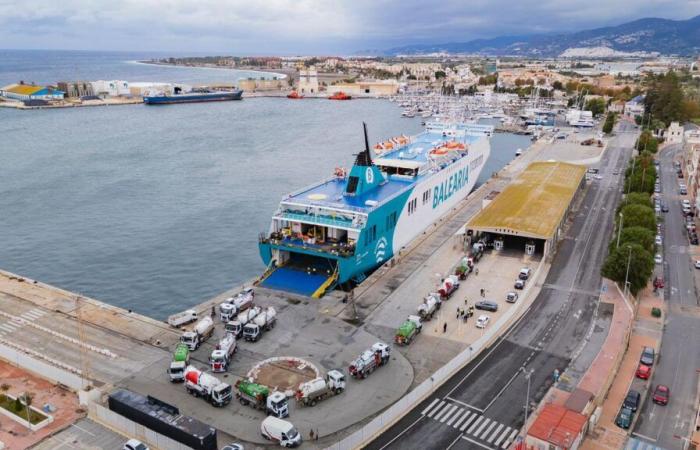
(193, 97)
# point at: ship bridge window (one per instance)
(391, 170)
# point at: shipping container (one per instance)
(163, 418)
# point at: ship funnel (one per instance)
(364, 175)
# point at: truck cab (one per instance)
(227, 311)
(222, 394)
(176, 372)
(336, 381)
(277, 404)
(251, 332)
(190, 339)
(234, 327)
(219, 361)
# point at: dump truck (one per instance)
(259, 397)
(221, 356)
(449, 286)
(265, 321)
(377, 356)
(408, 330)
(181, 358)
(199, 334)
(182, 318)
(236, 326)
(201, 384)
(311, 392)
(430, 305)
(236, 304)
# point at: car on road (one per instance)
(512, 297)
(632, 400)
(648, 356)
(661, 394)
(659, 282)
(233, 446)
(697, 264)
(616, 172)
(658, 259)
(519, 284)
(482, 321)
(524, 273)
(664, 207)
(643, 372)
(624, 418)
(693, 239)
(134, 444)
(486, 305)
(659, 240)
(680, 174)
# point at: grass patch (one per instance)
(18, 409)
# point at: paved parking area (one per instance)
(83, 435)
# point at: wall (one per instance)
(41, 368)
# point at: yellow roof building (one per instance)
(534, 204)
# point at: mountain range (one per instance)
(664, 36)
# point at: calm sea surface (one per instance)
(157, 208)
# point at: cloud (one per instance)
(301, 26)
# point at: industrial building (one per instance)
(76, 89)
(380, 88)
(531, 211)
(25, 92)
(252, 85)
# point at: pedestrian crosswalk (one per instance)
(638, 444)
(14, 323)
(470, 423)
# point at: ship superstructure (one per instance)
(337, 231)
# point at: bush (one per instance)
(656, 312)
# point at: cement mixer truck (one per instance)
(449, 286)
(200, 384)
(377, 356)
(408, 330)
(236, 326)
(311, 392)
(199, 334)
(223, 353)
(181, 358)
(265, 321)
(258, 396)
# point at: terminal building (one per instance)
(531, 212)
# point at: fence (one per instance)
(127, 427)
(417, 395)
(45, 370)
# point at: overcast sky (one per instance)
(302, 26)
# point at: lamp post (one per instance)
(627, 274)
(528, 375)
(619, 229)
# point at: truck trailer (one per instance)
(201, 384)
(311, 392)
(259, 397)
(181, 358)
(265, 321)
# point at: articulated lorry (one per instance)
(202, 331)
(200, 384)
(221, 356)
(311, 392)
(259, 397)
(265, 321)
(181, 358)
(377, 356)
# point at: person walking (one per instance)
(444, 327)
(458, 312)
(476, 271)
(311, 435)
(482, 292)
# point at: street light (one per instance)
(619, 229)
(528, 375)
(627, 274)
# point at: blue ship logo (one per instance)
(380, 249)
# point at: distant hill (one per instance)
(680, 37)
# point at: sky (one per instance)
(291, 27)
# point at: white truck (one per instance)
(377, 356)
(236, 304)
(430, 305)
(280, 431)
(200, 333)
(182, 318)
(311, 392)
(236, 326)
(207, 386)
(265, 321)
(223, 353)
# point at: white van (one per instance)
(281, 431)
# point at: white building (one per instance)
(111, 88)
(308, 81)
(635, 107)
(674, 135)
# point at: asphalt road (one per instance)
(679, 357)
(483, 405)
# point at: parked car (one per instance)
(134, 444)
(519, 284)
(693, 239)
(697, 264)
(659, 282)
(664, 207)
(624, 418)
(233, 446)
(648, 356)
(524, 273)
(512, 297)
(482, 321)
(632, 400)
(661, 394)
(643, 372)
(486, 305)
(658, 259)
(659, 240)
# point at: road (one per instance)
(679, 357)
(483, 405)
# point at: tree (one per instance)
(634, 235)
(638, 216)
(641, 266)
(635, 198)
(557, 85)
(595, 106)
(609, 123)
(440, 74)
(647, 142)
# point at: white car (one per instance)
(482, 321)
(659, 239)
(135, 444)
(697, 264)
(658, 259)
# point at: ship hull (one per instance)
(192, 98)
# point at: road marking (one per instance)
(467, 422)
(643, 436)
(401, 434)
(462, 403)
(476, 443)
(506, 386)
(454, 417)
(507, 442)
(430, 414)
(444, 410)
(475, 424)
(466, 414)
(7, 327)
(453, 442)
(33, 314)
(447, 416)
(488, 430)
(430, 406)
(495, 433)
(481, 427)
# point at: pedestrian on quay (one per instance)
(465, 301)
(476, 271)
(444, 327)
(482, 292)
(311, 435)
(458, 312)
(317, 434)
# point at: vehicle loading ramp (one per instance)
(295, 280)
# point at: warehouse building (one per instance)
(531, 212)
(76, 89)
(380, 88)
(26, 92)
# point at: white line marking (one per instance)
(474, 425)
(487, 431)
(7, 327)
(495, 433)
(461, 403)
(483, 425)
(507, 442)
(447, 416)
(504, 387)
(453, 442)
(476, 443)
(466, 414)
(401, 434)
(430, 406)
(444, 410)
(430, 414)
(459, 413)
(467, 422)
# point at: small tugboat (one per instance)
(294, 95)
(340, 95)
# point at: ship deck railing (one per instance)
(319, 219)
(340, 249)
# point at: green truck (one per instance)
(181, 358)
(259, 397)
(408, 330)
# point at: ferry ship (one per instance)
(337, 231)
(193, 97)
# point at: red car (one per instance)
(661, 395)
(643, 372)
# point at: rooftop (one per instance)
(22, 89)
(557, 425)
(534, 204)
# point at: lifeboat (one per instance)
(455, 145)
(294, 95)
(340, 172)
(439, 151)
(340, 95)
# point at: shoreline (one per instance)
(183, 66)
